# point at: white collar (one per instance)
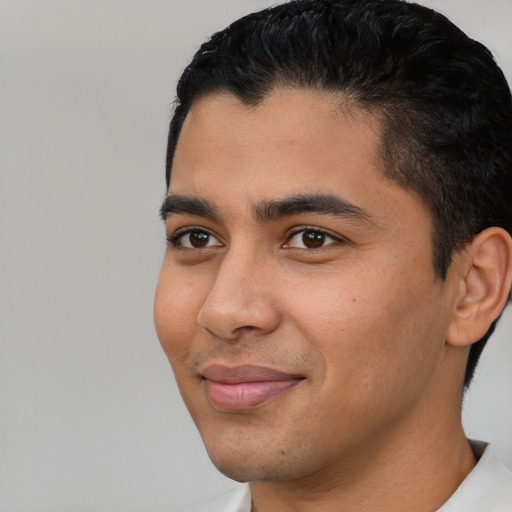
(488, 488)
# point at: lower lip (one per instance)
(245, 395)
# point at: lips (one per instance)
(245, 387)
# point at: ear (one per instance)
(485, 276)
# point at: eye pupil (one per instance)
(313, 239)
(199, 239)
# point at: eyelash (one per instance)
(312, 229)
(175, 241)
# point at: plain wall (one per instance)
(90, 417)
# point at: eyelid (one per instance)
(174, 239)
(299, 229)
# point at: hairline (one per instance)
(353, 108)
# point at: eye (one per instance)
(194, 239)
(310, 238)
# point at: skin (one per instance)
(374, 424)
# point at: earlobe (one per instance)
(484, 286)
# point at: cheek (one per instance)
(373, 331)
(175, 311)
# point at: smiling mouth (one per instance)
(245, 387)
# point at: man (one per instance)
(338, 217)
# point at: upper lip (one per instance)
(245, 373)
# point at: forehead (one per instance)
(293, 142)
(304, 128)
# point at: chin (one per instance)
(238, 471)
(239, 460)
(253, 460)
(247, 470)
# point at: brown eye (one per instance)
(195, 239)
(310, 239)
(313, 239)
(199, 239)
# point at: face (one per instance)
(297, 301)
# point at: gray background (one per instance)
(90, 417)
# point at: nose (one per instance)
(241, 299)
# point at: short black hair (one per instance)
(444, 105)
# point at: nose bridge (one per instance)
(240, 297)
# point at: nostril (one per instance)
(229, 320)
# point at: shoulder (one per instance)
(488, 488)
(236, 500)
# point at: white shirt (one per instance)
(488, 488)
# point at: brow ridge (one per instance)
(328, 204)
(268, 211)
(175, 204)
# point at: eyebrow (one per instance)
(327, 204)
(269, 211)
(174, 204)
